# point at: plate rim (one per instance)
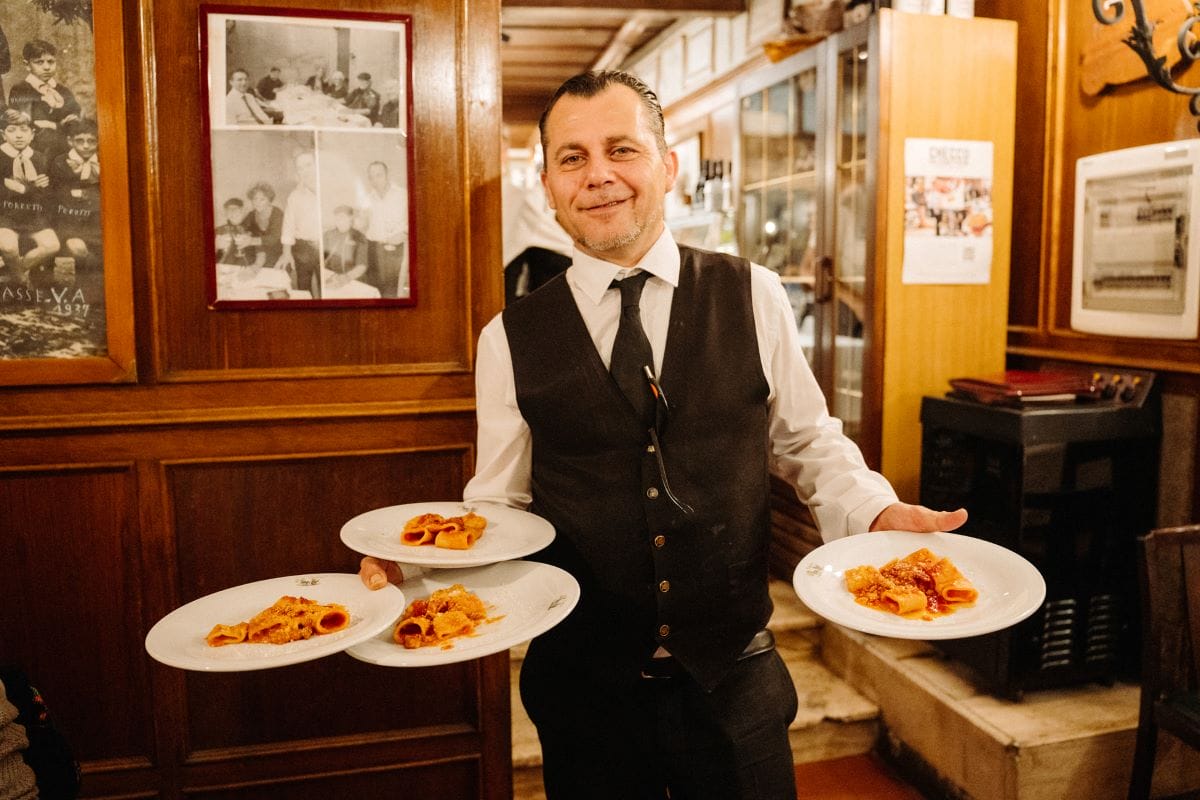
(447, 577)
(895, 627)
(451, 559)
(153, 643)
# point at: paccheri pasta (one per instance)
(920, 585)
(289, 619)
(454, 533)
(444, 615)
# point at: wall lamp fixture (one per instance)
(1141, 41)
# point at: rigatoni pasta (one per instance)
(288, 619)
(920, 585)
(443, 616)
(454, 533)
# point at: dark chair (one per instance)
(1170, 575)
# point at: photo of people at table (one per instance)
(299, 71)
(309, 158)
(51, 254)
(309, 216)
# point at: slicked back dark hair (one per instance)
(590, 84)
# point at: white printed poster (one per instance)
(947, 211)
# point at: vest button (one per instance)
(664, 586)
(660, 540)
(652, 493)
(664, 630)
(649, 448)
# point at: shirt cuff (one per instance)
(859, 520)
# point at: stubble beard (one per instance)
(618, 240)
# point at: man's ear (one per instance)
(546, 189)
(672, 161)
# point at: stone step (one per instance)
(833, 720)
(957, 740)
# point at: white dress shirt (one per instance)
(809, 450)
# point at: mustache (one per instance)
(603, 200)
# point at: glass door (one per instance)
(779, 189)
(844, 286)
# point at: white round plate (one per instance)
(530, 597)
(1010, 588)
(510, 533)
(178, 638)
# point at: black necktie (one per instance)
(631, 349)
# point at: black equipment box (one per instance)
(1069, 485)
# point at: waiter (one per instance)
(649, 448)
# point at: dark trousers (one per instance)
(385, 263)
(308, 266)
(643, 739)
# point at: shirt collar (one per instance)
(592, 275)
(38, 84)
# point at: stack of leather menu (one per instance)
(1019, 387)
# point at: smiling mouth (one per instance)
(606, 206)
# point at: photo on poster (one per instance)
(308, 128)
(947, 211)
(51, 256)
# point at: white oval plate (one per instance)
(530, 597)
(510, 533)
(1010, 588)
(178, 638)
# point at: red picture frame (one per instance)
(308, 123)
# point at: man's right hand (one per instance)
(376, 573)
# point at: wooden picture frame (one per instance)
(307, 121)
(77, 326)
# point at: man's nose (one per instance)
(599, 172)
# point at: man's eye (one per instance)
(571, 160)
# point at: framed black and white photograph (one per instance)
(65, 286)
(308, 122)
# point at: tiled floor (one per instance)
(864, 777)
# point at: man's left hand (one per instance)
(905, 517)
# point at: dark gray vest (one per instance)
(650, 574)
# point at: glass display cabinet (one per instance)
(821, 179)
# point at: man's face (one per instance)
(19, 136)
(260, 201)
(43, 67)
(234, 214)
(342, 222)
(306, 170)
(378, 177)
(238, 81)
(85, 144)
(604, 176)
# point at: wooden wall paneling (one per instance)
(1035, 85)
(72, 603)
(480, 22)
(192, 342)
(967, 322)
(244, 501)
(1133, 114)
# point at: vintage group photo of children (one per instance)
(51, 254)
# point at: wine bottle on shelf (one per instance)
(726, 177)
(712, 187)
(698, 199)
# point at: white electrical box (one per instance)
(1136, 258)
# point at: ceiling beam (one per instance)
(622, 43)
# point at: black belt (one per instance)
(669, 667)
